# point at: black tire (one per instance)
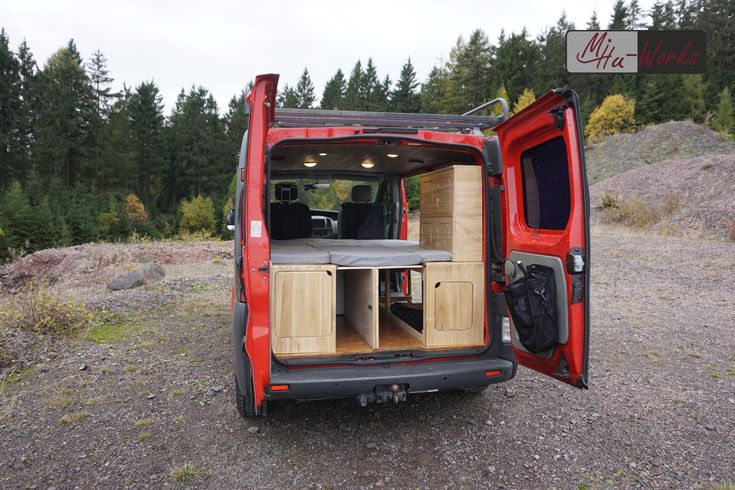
(245, 403)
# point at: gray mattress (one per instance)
(354, 253)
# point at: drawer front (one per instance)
(303, 310)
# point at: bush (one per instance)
(724, 120)
(526, 98)
(413, 192)
(638, 212)
(608, 201)
(42, 312)
(135, 212)
(197, 215)
(616, 114)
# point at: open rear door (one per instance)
(547, 244)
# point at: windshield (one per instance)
(325, 194)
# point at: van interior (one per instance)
(342, 282)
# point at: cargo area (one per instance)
(344, 285)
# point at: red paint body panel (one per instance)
(531, 127)
(256, 250)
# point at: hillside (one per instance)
(698, 193)
(675, 140)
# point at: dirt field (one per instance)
(156, 394)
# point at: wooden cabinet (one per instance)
(303, 309)
(454, 299)
(451, 211)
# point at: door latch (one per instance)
(263, 270)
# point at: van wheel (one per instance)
(245, 403)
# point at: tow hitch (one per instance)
(384, 394)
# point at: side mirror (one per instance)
(230, 219)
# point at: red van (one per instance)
(331, 299)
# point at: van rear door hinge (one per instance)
(558, 114)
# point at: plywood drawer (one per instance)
(461, 235)
(455, 188)
(454, 304)
(303, 304)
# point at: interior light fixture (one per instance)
(367, 164)
(392, 155)
(310, 164)
(322, 154)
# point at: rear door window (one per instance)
(546, 194)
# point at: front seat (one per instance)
(361, 219)
(289, 219)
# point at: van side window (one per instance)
(546, 194)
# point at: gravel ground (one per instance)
(660, 411)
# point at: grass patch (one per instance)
(111, 331)
(73, 418)
(182, 352)
(184, 473)
(177, 392)
(144, 436)
(131, 368)
(146, 344)
(106, 370)
(653, 354)
(180, 419)
(696, 356)
(93, 402)
(58, 402)
(143, 423)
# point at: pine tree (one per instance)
(594, 22)
(305, 91)
(288, 98)
(663, 15)
(15, 216)
(353, 96)
(64, 118)
(620, 16)
(405, 97)
(147, 142)
(28, 110)
(692, 100)
(100, 82)
(514, 62)
(433, 91)
(470, 74)
(10, 113)
(235, 126)
(724, 120)
(551, 66)
(334, 92)
(635, 16)
(371, 90)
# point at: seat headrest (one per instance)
(286, 191)
(361, 193)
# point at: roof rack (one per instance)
(438, 122)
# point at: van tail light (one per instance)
(490, 374)
(279, 387)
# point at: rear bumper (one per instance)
(343, 382)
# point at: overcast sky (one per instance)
(223, 44)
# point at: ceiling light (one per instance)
(322, 154)
(368, 164)
(392, 155)
(310, 164)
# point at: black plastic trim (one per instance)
(243, 368)
(331, 382)
(493, 156)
